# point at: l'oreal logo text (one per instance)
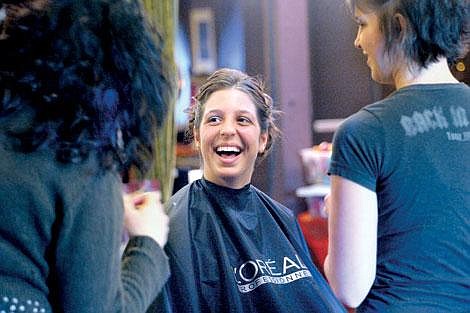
(254, 273)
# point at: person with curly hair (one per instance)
(232, 248)
(82, 91)
(399, 208)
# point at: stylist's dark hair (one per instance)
(92, 74)
(435, 28)
(226, 78)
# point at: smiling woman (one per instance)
(230, 138)
(399, 209)
(231, 247)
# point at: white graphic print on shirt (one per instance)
(427, 120)
(254, 273)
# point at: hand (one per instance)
(325, 209)
(144, 216)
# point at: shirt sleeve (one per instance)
(358, 149)
(144, 265)
(88, 272)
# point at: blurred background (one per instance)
(304, 51)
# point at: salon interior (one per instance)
(304, 52)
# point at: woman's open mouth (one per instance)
(227, 151)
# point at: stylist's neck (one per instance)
(435, 73)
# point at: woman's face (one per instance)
(370, 40)
(229, 138)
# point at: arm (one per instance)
(352, 230)
(147, 225)
(89, 274)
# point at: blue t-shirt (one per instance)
(413, 150)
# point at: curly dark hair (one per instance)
(436, 28)
(92, 72)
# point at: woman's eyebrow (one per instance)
(245, 112)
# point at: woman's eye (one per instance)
(213, 119)
(360, 23)
(244, 120)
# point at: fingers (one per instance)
(324, 210)
(144, 216)
(144, 199)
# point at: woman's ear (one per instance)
(263, 141)
(400, 25)
(196, 138)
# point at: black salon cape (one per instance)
(238, 251)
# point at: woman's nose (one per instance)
(227, 129)
(357, 43)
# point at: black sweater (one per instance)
(60, 232)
